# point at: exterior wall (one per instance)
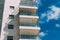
(7, 11)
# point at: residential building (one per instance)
(20, 20)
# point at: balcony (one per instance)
(29, 30)
(28, 3)
(27, 13)
(28, 19)
(28, 24)
(28, 9)
(28, 36)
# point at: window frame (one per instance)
(28, 36)
(12, 7)
(9, 37)
(11, 16)
(10, 26)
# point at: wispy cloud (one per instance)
(43, 15)
(43, 18)
(38, 2)
(42, 34)
(58, 25)
(54, 13)
(38, 38)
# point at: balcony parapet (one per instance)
(26, 30)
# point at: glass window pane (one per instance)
(10, 26)
(11, 16)
(27, 24)
(9, 37)
(28, 36)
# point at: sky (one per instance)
(49, 19)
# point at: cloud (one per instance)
(38, 38)
(43, 15)
(42, 34)
(54, 13)
(38, 2)
(43, 18)
(57, 25)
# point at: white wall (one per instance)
(7, 11)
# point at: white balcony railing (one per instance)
(28, 2)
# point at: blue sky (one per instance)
(49, 19)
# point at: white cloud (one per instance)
(42, 34)
(38, 2)
(43, 15)
(57, 25)
(54, 13)
(38, 38)
(42, 18)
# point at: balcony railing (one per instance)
(28, 24)
(27, 13)
(28, 3)
(28, 36)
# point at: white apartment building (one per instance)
(20, 20)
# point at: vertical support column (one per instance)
(11, 7)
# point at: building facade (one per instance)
(20, 20)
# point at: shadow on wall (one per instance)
(11, 22)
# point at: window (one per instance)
(9, 37)
(10, 26)
(27, 24)
(12, 7)
(28, 36)
(11, 16)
